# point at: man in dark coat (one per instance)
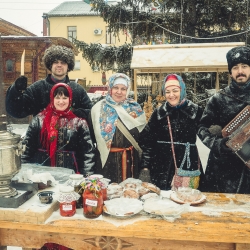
(22, 101)
(225, 171)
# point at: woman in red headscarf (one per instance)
(56, 137)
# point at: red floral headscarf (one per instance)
(49, 131)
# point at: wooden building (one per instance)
(12, 49)
(160, 60)
(7, 29)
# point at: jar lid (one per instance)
(76, 176)
(100, 176)
(66, 189)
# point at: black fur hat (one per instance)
(57, 52)
(237, 55)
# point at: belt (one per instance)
(124, 159)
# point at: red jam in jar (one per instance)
(68, 209)
(104, 194)
(67, 201)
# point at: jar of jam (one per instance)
(105, 183)
(75, 181)
(67, 199)
(104, 194)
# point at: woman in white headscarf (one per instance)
(117, 122)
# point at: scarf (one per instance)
(183, 101)
(55, 80)
(245, 86)
(106, 113)
(50, 127)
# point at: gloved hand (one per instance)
(215, 130)
(223, 147)
(144, 175)
(21, 83)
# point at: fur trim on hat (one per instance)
(61, 53)
(238, 55)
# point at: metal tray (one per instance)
(25, 192)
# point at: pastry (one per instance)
(130, 185)
(151, 187)
(142, 191)
(130, 193)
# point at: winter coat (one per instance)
(155, 142)
(75, 149)
(224, 169)
(113, 166)
(37, 96)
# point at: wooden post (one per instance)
(195, 82)
(135, 85)
(217, 84)
(3, 117)
(160, 83)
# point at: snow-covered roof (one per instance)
(75, 8)
(196, 57)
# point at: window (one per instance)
(110, 38)
(9, 65)
(71, 33)
(77, 65)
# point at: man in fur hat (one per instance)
(225, 172)
(22, 101)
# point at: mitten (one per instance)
(144, 175)
(223, 147)
(215, 130)
(21, 83)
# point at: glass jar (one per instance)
(67, 209)
(75, 181)
(105, 183)
(104, 194)
(67, 199)
(92, 203)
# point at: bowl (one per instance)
(45, 197)
(187, 194)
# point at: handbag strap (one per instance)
(172, 146)
(131, 139)
(172, 143)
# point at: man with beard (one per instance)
(225, 172)
(22, 101)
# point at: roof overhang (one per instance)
(167, 58)
(33, 42)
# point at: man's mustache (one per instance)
(240, 75)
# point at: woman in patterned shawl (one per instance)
(112, 117)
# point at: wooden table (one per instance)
(222, 222)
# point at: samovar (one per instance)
(10, 145)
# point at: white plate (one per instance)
(166, 207)
(174, 197)
(122, 207)
(120, 215)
